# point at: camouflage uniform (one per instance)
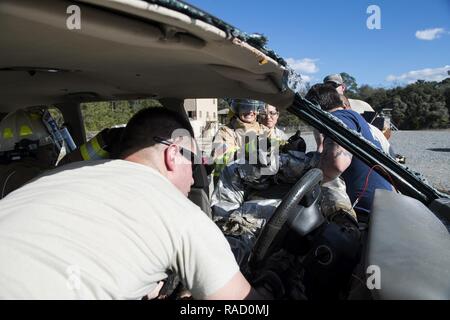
(335, 198)
(279, 135)
(229, 140)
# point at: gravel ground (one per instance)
(427, 152)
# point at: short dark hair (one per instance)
(148, 123)
(325, 95)
(276, 108)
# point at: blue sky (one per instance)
(324, 36)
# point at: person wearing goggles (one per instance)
(232, 137)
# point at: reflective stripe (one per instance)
(7, 133)
(276, 138)
(91, 150)
(218, 169)
(250, 147)
(252, 144)
(225, 158)
(84, 152)
(102, 154)
(25, 131)
(221, 162)
(35, 116)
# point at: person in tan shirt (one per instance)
(112, 229)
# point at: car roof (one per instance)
(129, 49)
(133, 49)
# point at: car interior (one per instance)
(129, 50)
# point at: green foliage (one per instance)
(444, 86)
(350, 83)
(100, 115)
(222, 104)
(290, 121)
(376, 97)
(56, 114)
(421, 105)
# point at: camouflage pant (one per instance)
(335, 198)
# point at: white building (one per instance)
(203, 116)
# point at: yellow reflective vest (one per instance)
(230, 139)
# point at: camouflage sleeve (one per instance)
(222, 143)
(224, 148)
(335, 198)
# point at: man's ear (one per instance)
(170, 157)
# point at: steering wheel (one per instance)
(290, 209)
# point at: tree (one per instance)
(398, 111)
(365, 92)
(447, 99)
(419, 106)
(350, 83)
(222, 104)
(444, 87)
(290, 121)
(379, 99)
(100, 115)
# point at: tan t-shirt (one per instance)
(106, 229)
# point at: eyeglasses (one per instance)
(187, 154)
(270, 113)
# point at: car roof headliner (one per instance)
(125, 50)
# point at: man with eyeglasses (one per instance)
(115, 229)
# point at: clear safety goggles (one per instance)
(244, 107)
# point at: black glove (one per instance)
(281, 276)
(295, 143)
(269, 285)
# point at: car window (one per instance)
(107, 114)
(57, 115)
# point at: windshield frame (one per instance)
(408, 182)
